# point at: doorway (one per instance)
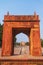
(21, 41)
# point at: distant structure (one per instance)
(8, 13)
(23, 48)
(22, 43)
(28, 24)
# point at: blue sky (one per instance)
(22, 7)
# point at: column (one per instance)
(35, 44)
(7, 40)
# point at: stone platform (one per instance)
(25, 59)
(21, 60)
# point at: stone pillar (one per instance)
(7, 40)
(35, 44)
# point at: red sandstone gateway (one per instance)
(28, 24)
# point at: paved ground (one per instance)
(14, 60)
(21, 50)
(17, 50)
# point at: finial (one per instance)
(35, 13)
(8, 13)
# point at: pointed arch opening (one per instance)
(21, 42)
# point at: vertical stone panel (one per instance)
(7, 40)
(31, 43)
(35, 42)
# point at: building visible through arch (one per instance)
(28, 24)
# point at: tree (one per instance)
(1, 27)
(27, 43)
(42, 42)
(15, 40)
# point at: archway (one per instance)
(29, 25)
(18, 48)
(23, 32)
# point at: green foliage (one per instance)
(1, 34)
(27, 43)
(42, 42)
(18, 44)
(14, 40)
